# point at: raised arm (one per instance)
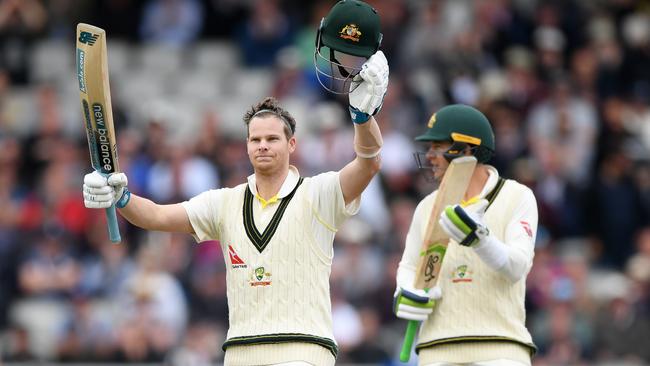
(366, 96)
(100, 192)
(356, 175)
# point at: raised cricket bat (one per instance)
(95, 95)
(434, 244)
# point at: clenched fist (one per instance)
(102, 192)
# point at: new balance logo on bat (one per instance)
(103, 142)
(88, 38)
(235, 261)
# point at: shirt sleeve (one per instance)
(520, 237)
(408, 264)
(202, 211)
(327, 199)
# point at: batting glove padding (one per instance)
(367, 89)
(102, 192)
(412, 304)
(464, 227)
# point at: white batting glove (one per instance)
(102, 192)
(414, 304)
(367, 89)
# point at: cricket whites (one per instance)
(94, 92)
(434, 244)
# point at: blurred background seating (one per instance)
(566, 85)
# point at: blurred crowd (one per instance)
(565, 84)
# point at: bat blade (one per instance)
(434, 244)
(94, 93)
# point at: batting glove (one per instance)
(368, 88)
(465, 227)
(414, 304)
(468, 229)
(102, 192)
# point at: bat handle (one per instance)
(113, 229)
(411, 330)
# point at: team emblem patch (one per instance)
(461, 274)
(351, 32)
(260, 277)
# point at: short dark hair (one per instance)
(270, 106)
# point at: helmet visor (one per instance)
(424, 165)
(336, 70)
(422, 161)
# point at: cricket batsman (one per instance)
(475, 315)
(277, 228)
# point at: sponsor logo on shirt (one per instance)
(462, 273)
(526, 226)
(235, 260)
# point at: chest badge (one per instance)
(462, 273)
(260, 277)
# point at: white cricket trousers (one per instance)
(499, 362)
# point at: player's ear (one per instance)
(292, 144)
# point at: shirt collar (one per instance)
(289, 183)
(493, 178)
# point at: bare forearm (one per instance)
(146, 214)
(356, 176)
(367, 139)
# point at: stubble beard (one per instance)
(438, 173)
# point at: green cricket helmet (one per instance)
(464, 126)
(346, 38)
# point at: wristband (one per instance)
(358, 117)
(124, 200)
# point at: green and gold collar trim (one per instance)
(261, 240)
(490, 197)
